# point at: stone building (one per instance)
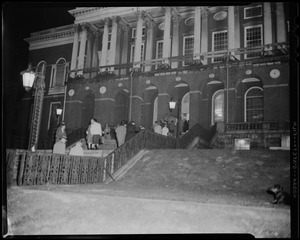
(224, 65)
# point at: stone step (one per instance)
(97, 153)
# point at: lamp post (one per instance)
(29, 77)
(58, 113)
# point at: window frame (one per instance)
(245, 38)
(213, 43)
(133, 32)
(54, 73)
(213, 106)
(50, 112)
(184, 63)
(245, 102)
(247, 8)
(156, 52)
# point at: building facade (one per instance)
(225, 65)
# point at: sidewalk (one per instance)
(61, 210)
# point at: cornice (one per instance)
(51, 36)
(81, 11)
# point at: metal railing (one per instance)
(34, 168)
(227, 56)
(267, 126)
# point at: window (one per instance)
(133, 34)
(218, 106)
(53, 118)
(253, 37)
(159, 50)
(58, 73)
(219, 43)
(254, 105)
(252, 12)
(188, 49)
(109, 41)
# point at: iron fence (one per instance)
(36, 168)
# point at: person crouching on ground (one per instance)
(77, 150)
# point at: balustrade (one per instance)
(278, 49)
(36, 168)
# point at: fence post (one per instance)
(21, 169)
(104, 171)
(112, 163)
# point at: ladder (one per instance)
(37, 107)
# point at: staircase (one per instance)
(104, 149)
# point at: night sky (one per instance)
(21, 19)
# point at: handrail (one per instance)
(281, 48)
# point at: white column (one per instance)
(113, 43)
(149, 44)
(197, 32)
(267, 25)
(95, 60)
(124, 48)
(204, 33)
(89, 51)
(104, 44)
(280, 22)
(82, 49)
(167, 35)
(231, 28)
(175, 39)
(75, 50)
(138, 40)
(237, 35)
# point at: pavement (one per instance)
(151, 199)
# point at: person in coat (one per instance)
(121, 133)
(77, 150)
(131, 130)
(61, 132)
(96, 132)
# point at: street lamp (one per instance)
(28, 78)
(172, 104)
(58, 113)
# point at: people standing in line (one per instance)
(165, 130)
(121, 133)
(77, 150)
(96, 132)
(131, 130)
(157, 127)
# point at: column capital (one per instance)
(167, 9)
(204, 12)
(141, 15)
(176, 18)
(85, 26)
(77, 27)
(123, 24)
(237, 10)
(107, 21)
(115, 19)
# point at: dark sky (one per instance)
(21, 19)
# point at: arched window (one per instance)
(218, 106)
(254, 105)
(58, 74)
